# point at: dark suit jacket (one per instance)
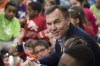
(73, 31)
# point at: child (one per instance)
(79, 55)
(78, 19)
(9, 26)
(31, 47)
(35, 23)
(41, 48)
(27, 50)
(34, 49)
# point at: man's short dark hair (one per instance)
(63, 10)
(11, 4)
(83, 55)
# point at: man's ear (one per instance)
(68, 19)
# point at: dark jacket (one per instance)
(53, 59)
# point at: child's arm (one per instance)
(21, 52)
(20, 48)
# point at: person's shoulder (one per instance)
(79, 32)
(87, 10)
(41, 18)
(15, 20)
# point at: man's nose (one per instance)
(53, 27)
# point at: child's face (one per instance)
(74, 3)
(28, 50)
(31, 12)
(47, 4)
(41, 51)
(10, 12)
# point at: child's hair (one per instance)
(77, 12)
(41, 43)
(35, 6)
(74, 41)
(83, 55)
(10, 4)
(86, 4)
(30, 43)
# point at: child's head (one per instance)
(10, 10)
(83, 3)
(29, 46)
(48, 3)
(34, 9)
(73, 42)
(79, 55)
(41, 48)
(77, 16)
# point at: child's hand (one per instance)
(21, 35)
(30, 62)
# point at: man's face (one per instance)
(74, 3)
(57, 24)
(10, 12)
(67, 60)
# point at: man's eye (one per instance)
(57, 21)
(48, 23)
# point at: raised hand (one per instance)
(21, 35)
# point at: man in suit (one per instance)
(58, 22)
